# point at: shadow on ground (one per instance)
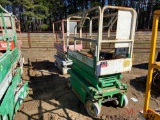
(51, 92)
(141, 66)
(139, 84)
(50, 97)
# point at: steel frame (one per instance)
(13, 91)
(92, 87)
(147, 112)
(61, 61)
(98, 42)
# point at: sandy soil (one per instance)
(50, 99)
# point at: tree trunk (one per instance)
(150, 11)
(103, 3)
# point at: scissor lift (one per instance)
(150, 114)
(12, 90)
(96, 73)
(3, 44)
(59, 32)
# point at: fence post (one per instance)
(29, 42)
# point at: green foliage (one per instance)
(44, 26)
(28, 13)
(4, 2)
(95, 3)
(35, 8)
(35, 15)
(27, 4)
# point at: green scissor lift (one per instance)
(96, 72)
(12, 89)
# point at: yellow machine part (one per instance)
(149, 113)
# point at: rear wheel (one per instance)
(115, 102)
(93, 108)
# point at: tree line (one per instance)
(38, 15)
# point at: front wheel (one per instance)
(125, 101)
(93, 108)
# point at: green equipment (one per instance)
(12, 89)
(96, 72)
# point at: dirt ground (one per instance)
(50, 99)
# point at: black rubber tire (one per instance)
(93, 108)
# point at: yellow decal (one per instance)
(126, 63)
(110, 90)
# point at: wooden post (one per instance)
(29, 42)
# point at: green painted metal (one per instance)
(90, 76)
(13, 91)
(7, 61)
(87, 86)
(9, 105)
(95, 75)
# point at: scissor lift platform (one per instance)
(96, 73)
(12, 90)
(59, 31)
